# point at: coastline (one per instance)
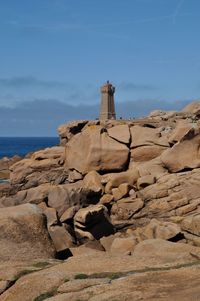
(21, 146)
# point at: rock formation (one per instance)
(116, 199)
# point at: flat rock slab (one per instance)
(79, 285)
(175, 285)
(120, 133)
(35, 284)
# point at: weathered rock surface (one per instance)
(97, 150)
(145, 136)
(183, 155)
(45, 166)
(124, 209)
(3, 285)
(34, 195)
(5, 164)
(158, 230)
(137, 276)
(117, 196)
(120, 133)
(79, 285)
(184, 130)
(146, 153)
(147, 143)
(92, 182)
(106, 241)
(114, 180)
(145, 181)
(191, 224)
(172, 195)
(121, 191)
(123, 246)
(74, 176)
(62, 240)
(154, 167)
(62, 197)
(92, 222)
(148, 286)
(192, 107)
(69, 214)
(106, 199)
(162, 251)
(24, 233)
(67, 131)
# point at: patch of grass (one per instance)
(99, 275)
(23, 273)
(81, 276)
(41, 264)
(109, 275)
(117, 275)
(113, 276)
(45, 295)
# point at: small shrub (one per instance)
(23, 273)
(81, 276)
(45, 295)
(113, 276)
(109, 275)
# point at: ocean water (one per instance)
(10, 146)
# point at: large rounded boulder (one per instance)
(23, 233)
(93, 149)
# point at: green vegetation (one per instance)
(109, 275)
(113, 276)
(23, 273)
(81, 276)
(41, 264)
(45, 295)
(117, 275)
(37, 265)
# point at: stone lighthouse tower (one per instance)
(107, 102)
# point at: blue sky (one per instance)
(55, 54)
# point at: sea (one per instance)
(11, 146)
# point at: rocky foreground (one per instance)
(113, 213)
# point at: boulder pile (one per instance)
(116, 187)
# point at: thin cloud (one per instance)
(177, 10)
(17, 89)
(68, 27)
(27, 81)
(42, 117)
(130, 86)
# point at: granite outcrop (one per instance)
(117, 196)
